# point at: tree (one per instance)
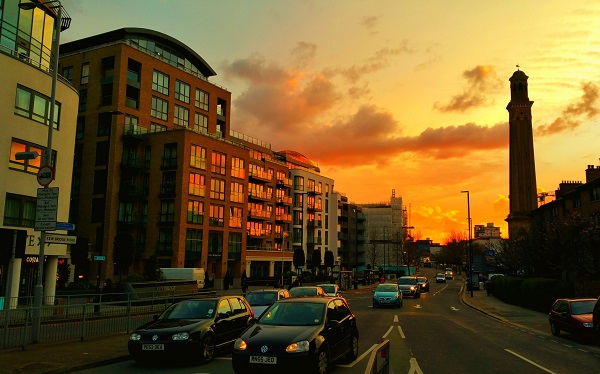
(316, 259)
(299, 258)
(123, 252)
(329, 260)
(372, 252)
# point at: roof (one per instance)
(121, 34)
(518, 75)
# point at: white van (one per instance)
(196, 274)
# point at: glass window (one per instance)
(193, 240)
(182, 91)
(80, 130)
(67, 72)
(160, 82)
(195, 213)
(198, 157)
(167, 211)
(85, 73)
(29, 166)
(83, 100)
(298, 183)
(217, 215)
(237, 168)
(235, 242)
(237, 192)
(160, 108)
(217, 189)
(218, 163)
(157, 127)
(235, 217)
(182, 116)
(33, 105)
(202, 99)
(197, 185)
(200, 123)
(224, 307)
(165, 241)
(19, 210)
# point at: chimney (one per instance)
(566, 186)
(592, 173)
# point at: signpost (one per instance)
(61, 239)
(45, 175)
(65, 226)
(99, 258)
(46, 209)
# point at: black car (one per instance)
(300, 335)
(191, 329)
(261, 300)
(409, 285)
(424, 283)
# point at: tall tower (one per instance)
(523, 189)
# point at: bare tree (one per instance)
(373, 253)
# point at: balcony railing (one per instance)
(259, 214)
(285, 200)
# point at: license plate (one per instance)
(263, 360)
(385, 301)
(153, 347)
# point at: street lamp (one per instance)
(470, 256)
(384, 247)
(58, 27)
(407, 264)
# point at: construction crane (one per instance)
(542, 196)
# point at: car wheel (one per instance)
(417, 295)
(374, 306)
(353, 352)
(322, 361)
(554, 329)
(207, 348)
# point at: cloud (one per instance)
(481, 80)
(569, 119)
(369, 22)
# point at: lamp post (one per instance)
(384, 247)
(39, 287)
(403, 236)
(470, 256)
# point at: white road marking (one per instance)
(359, 358)
(414, 367)
(454, 308)
(529, 361)
(401, 332)
(388, 332)
(396, 318)
(418, 306)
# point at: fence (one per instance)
(82, 316)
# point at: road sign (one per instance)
(61, 239)
(46, 209)
(99, 258)
(65, 226)
(45, 175)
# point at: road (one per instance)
(435, 333)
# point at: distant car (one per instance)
(191, 329)
(440, 278)
(387, 294)
(260, 300)
(305, 335)
(449, 274)
(331, 289)
(307, 291)
(409, 285)
(424, 283)
(574, 316)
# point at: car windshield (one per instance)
(190, 309)
(293, 314)
(386, 288)
(582, 307)
(261, 298)
(422, 280)
(440, 275)
(407, 281)
(303, 291)
(328, 288)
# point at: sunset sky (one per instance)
(395, 95)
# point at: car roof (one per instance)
(269, 290)
(311, 299)
(408, 276)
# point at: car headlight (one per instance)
(588, 324)
(301, 346)
(135, 337)
(240, 344)
(412, 288)
(396, 296)
(181, 336)
(375, 297)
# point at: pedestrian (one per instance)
(244, 283)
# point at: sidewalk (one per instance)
(67, 357)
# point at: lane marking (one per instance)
(401, 332)
(414, 367)
(454, 308)
(529, 361)
(395, 318)
(359, 358)
(388, 332)
(418, 306)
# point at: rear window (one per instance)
(407, 281)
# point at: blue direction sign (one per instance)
(65, 226)
(99, 258)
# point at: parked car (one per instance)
(260, 300)
(191, 329)
(573, 316)
(387, 294)
(331, 289)
(424, 283)
(596, 320)
(307, 291)
(300, 335)
(440, 278)
(409, 285)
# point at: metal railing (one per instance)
(379, 362)
(79, 317)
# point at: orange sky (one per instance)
(394, 95)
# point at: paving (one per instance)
(68, 357)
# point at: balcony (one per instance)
(135, 132)
(129, 221)
(258, 233)
(167, 190)
(259, 214)
(284, 182)
(314, 207)
(215, 255)
(262, 176)
(132, 190)
(312, 190)
(134, 164)
(312, 241)
(234, 256)
(314, 224)
(259, 195)
(283, 218)
(285, 200)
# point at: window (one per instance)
(98, 210)
(104, 124)
(100, 179)
(167, 211)
(182, 116)
(216, 215)
(125, 213)
(80, 129)
(215, 242)
(107, 94)
(217, 189)
(198, 157)
(195, 213)
(160, 82)
(160, 108)
(157, 127)
(202, 99)
(102, 153)
(35, 106)
(29, 166)
(165, 241)
(237, 168)
(200, 123)
(85, 73)
(237, 192)
(218, 163)
(235, 217)
(193, 240)
(197, 185)
(595, 193)
(82, 100)
(67, 72)
(299, 183)
(235, 243)
(577, 201)
(182, 91)
(19, 210)
(170, 155)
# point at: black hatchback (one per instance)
(299, 335)
(191, 329)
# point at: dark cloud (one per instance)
(481, 81)
(369, 22)
(304, 53)
(586, 106)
